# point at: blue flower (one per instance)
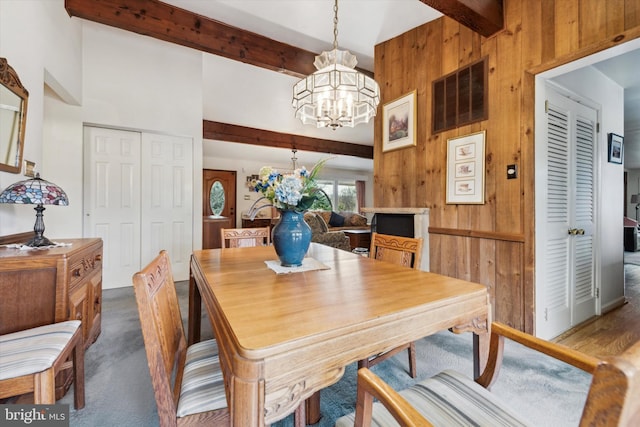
(296, 190)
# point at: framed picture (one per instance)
(616, 148)
(399, 123)
(465, 169)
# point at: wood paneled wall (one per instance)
(493, 243)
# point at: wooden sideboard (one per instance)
(44, 286)
(258, 222)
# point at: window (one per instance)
(342, 196)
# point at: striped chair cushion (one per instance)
(34, 350)
(202, 384)
(448, 399)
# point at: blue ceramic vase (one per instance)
(291, 237)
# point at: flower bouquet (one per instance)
(292, 194)
(295, 190)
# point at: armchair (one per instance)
(320, 233)
(450, 398)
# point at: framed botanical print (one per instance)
(465, 169)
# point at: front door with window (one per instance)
(218, 205)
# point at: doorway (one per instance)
(566, 237)
(218, 205)
(589, 79)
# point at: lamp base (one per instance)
(39, 241)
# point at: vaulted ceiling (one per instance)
(247, 40)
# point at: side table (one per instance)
(359, 238)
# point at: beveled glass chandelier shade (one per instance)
(336, 95)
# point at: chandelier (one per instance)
(336, 95)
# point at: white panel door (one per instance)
(139, 199)
(565, 268)
(112, 200)
(167, 200)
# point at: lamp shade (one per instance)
(635, 198)
(35, 191)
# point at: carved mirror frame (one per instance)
(9, 113)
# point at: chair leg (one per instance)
(78, 372)
(364, 363)
(44, 387)
(299, 417)
(412, 360)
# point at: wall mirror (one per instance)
(13, 118)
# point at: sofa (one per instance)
(343, 220)
(320, 232)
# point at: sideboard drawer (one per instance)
(83, 265)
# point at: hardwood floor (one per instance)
(613, 332)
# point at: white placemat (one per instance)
(308, 264)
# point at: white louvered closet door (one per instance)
(565, 261)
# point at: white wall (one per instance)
(99, 75)
(591, 84)
(137, 82)
(41, 43)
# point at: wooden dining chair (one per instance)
(31, 359)
(450, 398)
(405, 251)
(187, 381)
(243, 237)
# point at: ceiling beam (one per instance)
(172, 24)
(485, 17)
(266, 138)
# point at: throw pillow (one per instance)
(353, 219)
(323, 223)
(324, 214)
(336, 220)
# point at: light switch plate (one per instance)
(512, 171)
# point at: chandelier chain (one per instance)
(335, 25)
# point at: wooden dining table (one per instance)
(284, 337)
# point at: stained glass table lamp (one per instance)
(35, 191)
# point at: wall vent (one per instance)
(460, 98)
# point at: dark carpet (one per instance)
(119, 392)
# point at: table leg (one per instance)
(312, 408)
(195, 313)
(480, 352)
